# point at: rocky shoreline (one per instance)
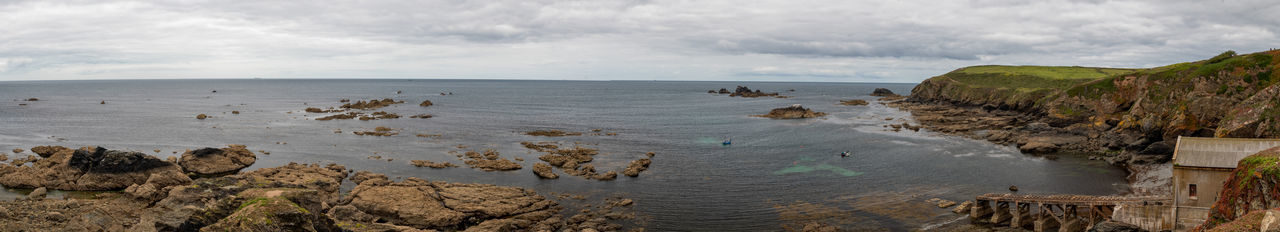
(145, 193)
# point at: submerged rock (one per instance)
(201, 116)
(791, 112)
(426, 103)
(428, 163)
(854, 102)
(217, 161)
(552, 133)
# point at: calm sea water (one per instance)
(776, 172)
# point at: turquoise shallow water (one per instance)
(694, 184)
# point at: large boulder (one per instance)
(88, 169)
(217, 161)
(277, 209)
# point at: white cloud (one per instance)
(882, 41)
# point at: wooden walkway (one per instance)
(1064, 212)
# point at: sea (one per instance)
(776, 175)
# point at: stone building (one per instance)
(1200, 167)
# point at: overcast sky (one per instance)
(759, 40)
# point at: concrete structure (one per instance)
(1200, 167)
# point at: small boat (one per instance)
(728, 142)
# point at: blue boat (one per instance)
(728, 142)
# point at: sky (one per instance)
(901, 41)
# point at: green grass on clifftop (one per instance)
(1031, 78)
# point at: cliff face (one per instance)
(1254, 185)
(1227, 96)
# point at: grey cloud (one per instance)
(67, 39)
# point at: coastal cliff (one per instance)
(1251, 190)
(1125, 115)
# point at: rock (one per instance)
(370, 105)
(1159, 148)
(33, 99)
(1038, 148)
(544, 171)
(88, 169)
(882, 92)
(235, 112)
(201, 116)
(724, 91)
(818, 227)
(1038, 126)
(945, 203)
(362, 176)
(1114, 226)
(854, 102)
(426, 103)
(793, 112)
(55, 216)
(489, 161)
(4, 157)
(17, 150)
(272, 214)
(746, 92)
(610, 175)
(46, 151)
(326, 180)
(37, 194)
(963, 208)
(1013, 188)
(622, 202)
(217, 161)
(636, 166)
(552, 133)
(426, 205)
(428, 163)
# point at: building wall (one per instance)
(1192, 212)
(1151, 217)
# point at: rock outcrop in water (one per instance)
(490, 160)
(217, 161)
(370, 105)
(552, 133)
(87, 169)
(637, 166)
(791, 112)
(883, 92)
(743, 91)
(853, 102)
(428, 163)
